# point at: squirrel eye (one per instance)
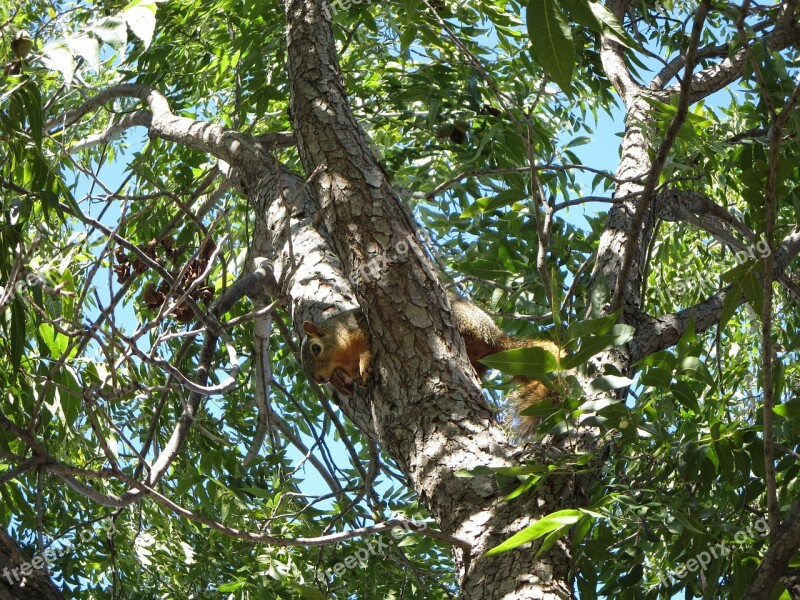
(316, 349)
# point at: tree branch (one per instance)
(785, 542)
(714, 78)
(696, 208)
(35, 585)
(613, 59)
(675, 65)
(632, 246)
(656, 333)
(139, 118)
(234, 148)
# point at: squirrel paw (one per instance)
(342, 382)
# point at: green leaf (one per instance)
(555, 297)
(56, 343)
(532, 362)
(579, 11)
(696, 369)
(610, 25)
(508, 471)
(542, 527)
(597, 18)
(474, 93)
(33, 109)
(485, 269)
(17, 333)
(778, 379)
(687, 522)
(487, 204)
(656, 377)
(743, 281)
(594, 344)
(790, 409)
(551, 539)
(683, 393)
(434, 104)
(730, 304)
(233, 586)
(609, 382)
(662, 358)
(754, 291)
(407, 38)
(528, 483)
(600, 325)
(551, 40)
(309, 592)
(71, 397)
(688, 338)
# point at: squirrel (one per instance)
(338, 351)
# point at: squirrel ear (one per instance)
(311, 329)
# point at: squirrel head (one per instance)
(314, 353)
(317, 352)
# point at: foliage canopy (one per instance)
(483, 116)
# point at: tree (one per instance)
(159, 435)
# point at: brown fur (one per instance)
(338, 351)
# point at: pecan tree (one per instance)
(370, 156)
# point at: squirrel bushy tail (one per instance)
(529, 392)
(338, 351)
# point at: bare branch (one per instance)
(140, 118)
(657, 333)
(232, 147)
(660, 159)
(419, 527)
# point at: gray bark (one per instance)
(423, 404)
(18, 579)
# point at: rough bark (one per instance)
(424, 404)
(428, 424)
(18, 579)
(775, 563)
(435, 421)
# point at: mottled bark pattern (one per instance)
(424, 405)
(18, 580)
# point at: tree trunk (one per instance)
(423, 404)
(431, 419)
(19, 580)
